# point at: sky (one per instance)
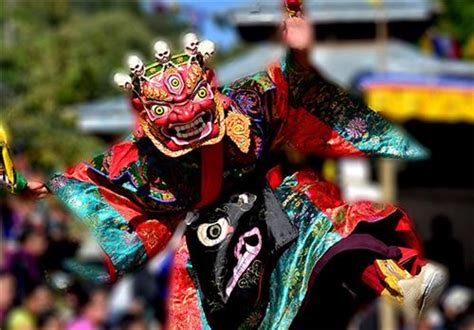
(224, 37)
(203, 10)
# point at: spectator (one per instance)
(60, 246)
(133, 322)
(24, 263)
(456, 303)
(92, 312)
(25, 317)
(8, 217)
(50, 320)
(445, 249)
(7, 290)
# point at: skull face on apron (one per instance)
(233, 247)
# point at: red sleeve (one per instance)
(315, 116)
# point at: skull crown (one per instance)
(162, 52)
(193, 50)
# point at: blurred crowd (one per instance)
(38, 293)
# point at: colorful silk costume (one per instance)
(251, 256)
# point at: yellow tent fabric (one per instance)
(431, 104)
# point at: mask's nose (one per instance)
(183, 114)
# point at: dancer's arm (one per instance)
(297, 34)
(315, 116)
(130, 225)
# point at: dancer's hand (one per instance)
(35, 190)
(297, 33)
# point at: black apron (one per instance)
(233, 248)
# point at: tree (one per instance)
(58, 53)
(457, 19)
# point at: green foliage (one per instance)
(457, 19)
(58, 53)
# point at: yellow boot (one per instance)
(415, 294)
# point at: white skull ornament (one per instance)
(136, 66)
(206, 48)
(191, 43)
(123, 81)
(162, 52)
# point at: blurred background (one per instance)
(412, 60)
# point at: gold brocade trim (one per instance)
(161, 147)
(194, 76)
(393, 273)
(153, 93)
(238, 130)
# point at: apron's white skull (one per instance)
(191, 43)
(136, 66)
(162, 52)
(246, 250)
(206, 48)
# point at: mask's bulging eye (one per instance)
(210, 234)
(202, 92)
(174, 82)
(158, 110)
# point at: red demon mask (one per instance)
(179, 105)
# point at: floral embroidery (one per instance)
(103, 220)
(356, 128)
(347, 116)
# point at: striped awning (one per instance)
(403, 97)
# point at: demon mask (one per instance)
(179, 105)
